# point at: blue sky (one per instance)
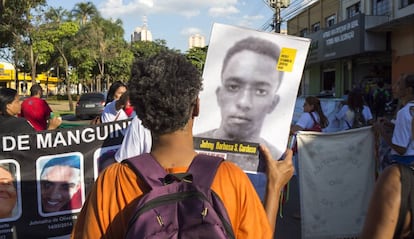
(175, 20)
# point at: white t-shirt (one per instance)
(347, 115)
(402, 131)
(305, 121)
(109, 113)
(137, 140)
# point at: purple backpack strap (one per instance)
(146, 167)
(205, 167)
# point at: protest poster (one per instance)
(336, 180)
(51, 173)
(250, 84)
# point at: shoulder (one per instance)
(121, 178)
(16, 125)
(229, 174)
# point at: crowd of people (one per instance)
(31, 115)
(162, 125)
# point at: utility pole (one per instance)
(277, 5)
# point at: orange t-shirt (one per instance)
(109, 206)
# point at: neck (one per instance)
(175, 149)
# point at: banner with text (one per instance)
(47, 175)
(336, 179)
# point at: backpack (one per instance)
(359, 120)
(380, 98)
(315, 127)
(178, 205)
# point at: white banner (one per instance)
(336, 179)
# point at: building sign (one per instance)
(343, 39)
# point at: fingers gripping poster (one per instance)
(46, 176)
(251, 79)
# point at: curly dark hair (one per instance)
(163, 90)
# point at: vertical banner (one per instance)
(336, 179)
(251, 79)
(47, 175)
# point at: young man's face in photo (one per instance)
(8, 195)
(247, 94)
(59, 184)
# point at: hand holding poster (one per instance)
(254, 77)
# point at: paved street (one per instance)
(289, 227)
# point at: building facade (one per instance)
(196, 40)
(142, 33)
(8, 79)
(355, 43)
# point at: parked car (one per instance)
(330, 106)
(90, 105)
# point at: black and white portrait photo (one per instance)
(250, 83)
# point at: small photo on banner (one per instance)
(60, 183)
(10, 191)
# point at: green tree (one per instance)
(145, 49)
(197, 56)
(16, 24)
(61, 36)
(85, 11)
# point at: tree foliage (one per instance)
(79, 44)
(197, 56)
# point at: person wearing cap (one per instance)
(60, 184)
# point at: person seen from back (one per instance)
(164, 91)
(36, 110)
(355, 106)
(312, 118)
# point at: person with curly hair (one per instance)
(164, 90)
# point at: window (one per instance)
(316, 27)
(381, 7)
(330, 21)
(303, 32)
(405, 3)
(353, 10)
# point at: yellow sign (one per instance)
(286, 59)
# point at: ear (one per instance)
(196, 108)
(275, 101)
